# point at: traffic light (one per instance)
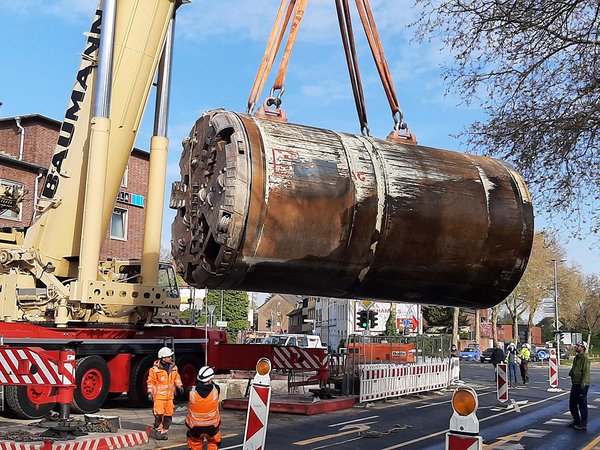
(362, 319)
(373, 318)
(268, 323)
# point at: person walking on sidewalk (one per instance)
(497, 357)
(163, 379)
(580, 383)
(525, 355)
(511, 360)
(204, 420)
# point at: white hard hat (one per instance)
(205, 374)
(583, 344)
(527, 345)
(165, 352)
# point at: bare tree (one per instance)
(455, 330)
(533, 68)
(539, 282)
(536, 283)
(477, 326)
(585, 312)
(495, 325)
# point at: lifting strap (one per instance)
(297, 7)
(401, 132)
(345, 22)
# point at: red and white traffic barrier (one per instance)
(501, 383)
(380, 381)
(121, 440)
(258, 407)
(294, 358)
(553, 372)
(463, 442)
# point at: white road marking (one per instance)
(352, 421)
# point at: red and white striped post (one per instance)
(553, 372)
(259, 402)
(501, 384)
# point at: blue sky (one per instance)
(218, 47)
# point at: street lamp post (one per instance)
(221, 305)
(557, 323)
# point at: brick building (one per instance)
(26, 148)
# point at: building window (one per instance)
(12, 188)
(118, 224)
(125, 179)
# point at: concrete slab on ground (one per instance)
(297, 404)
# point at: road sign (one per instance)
(463, 442)
(553, 372)
(501, 384)
(221, 323)
(367, 303)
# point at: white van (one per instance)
(300, 340)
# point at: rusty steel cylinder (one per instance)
(267, 206)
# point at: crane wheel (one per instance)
(93, 382)
(19, 400)
(138, 378)
(188, 366)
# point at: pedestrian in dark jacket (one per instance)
(497, 357)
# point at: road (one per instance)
(420, 421)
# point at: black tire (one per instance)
(93, 383)
(138, 377)
(188, 365)
(18, 400)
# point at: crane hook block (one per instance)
(267, 206)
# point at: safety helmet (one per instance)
(165, 352)
(528, 346)
(583, 344)
(205, 374)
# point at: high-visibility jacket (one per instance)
(162, 383)
(525, 354)
(203, 412)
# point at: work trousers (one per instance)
(578, 404)
(512, 372)
(195, 443)
(524, 372)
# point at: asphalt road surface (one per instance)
(532, 419)
(536, 420)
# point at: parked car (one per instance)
(300, 340)
(470, 354)
(486, 356)
(564, 353)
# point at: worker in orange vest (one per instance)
(163, 379)
(203, 419)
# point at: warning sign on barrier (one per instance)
(463, 442)
(501, 384)
(553, 372)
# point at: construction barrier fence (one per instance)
(381, 381)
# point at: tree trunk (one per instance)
(455, 334)
(530, 327)
(494, 326)
(515, 330)
(477, 326)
